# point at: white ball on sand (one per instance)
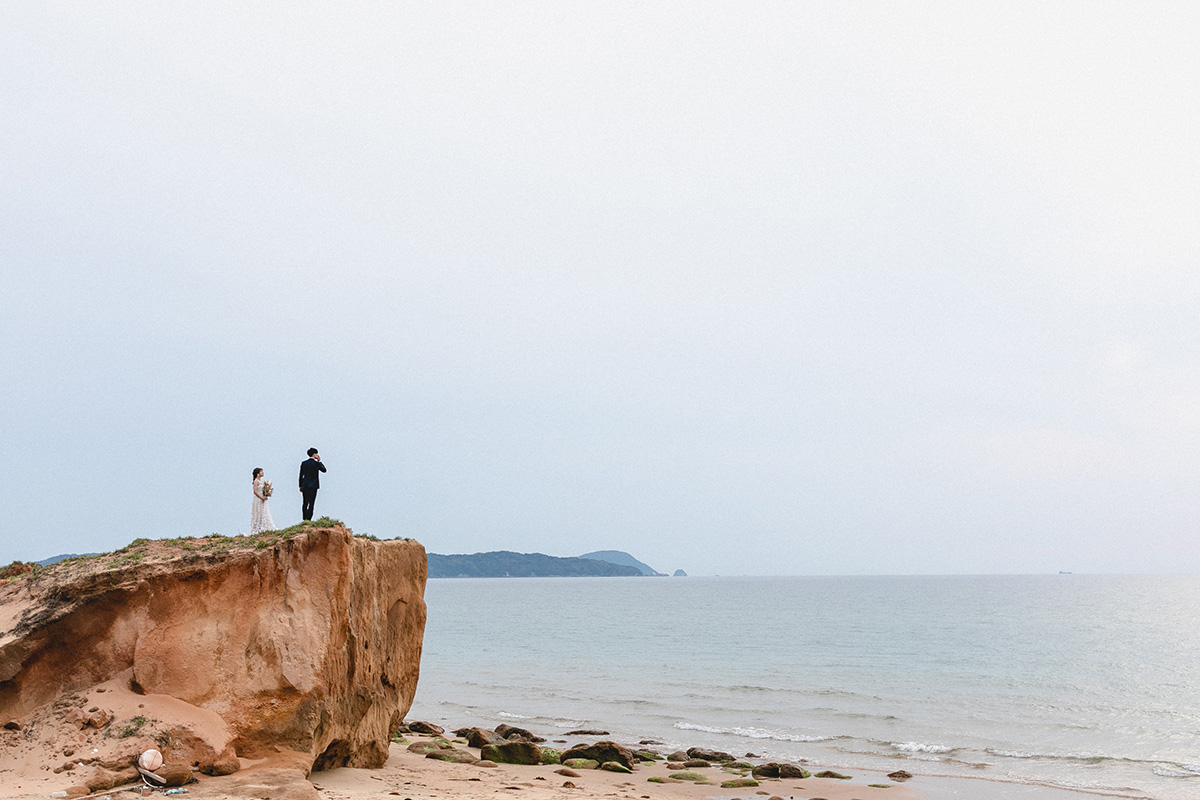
(150, 760)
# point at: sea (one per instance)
(1037, 687)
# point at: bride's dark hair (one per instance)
(255, 473)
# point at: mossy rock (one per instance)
(696, 763)
(425, 748)
(740, 783)
(648, 755)
(880, 785)
(831, 774)
(602, 752)
(738, 765)
(512, 753)
(581, 763)
(615, 766)
(678, 755)
(551, 755)
(776, 769)
(658, 779)
(453, 756)
(687, 775)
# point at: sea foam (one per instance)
(753, 733)
(918, 747)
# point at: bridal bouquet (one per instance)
(267, 489)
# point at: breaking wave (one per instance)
(918, 747)
(753, 733)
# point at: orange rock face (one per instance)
(309, 644)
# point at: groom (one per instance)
(310, 480)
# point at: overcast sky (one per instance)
(740, 288)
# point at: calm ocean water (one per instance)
(1083, 682)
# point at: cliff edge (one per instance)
(304, 642)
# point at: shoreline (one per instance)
(428, 778)
(414, 776)
(923, 785)
(424, 778)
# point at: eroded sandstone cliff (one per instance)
(307, 641)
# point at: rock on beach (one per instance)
(513, 752)
(479, 737)
(709, 755)
(603, 752)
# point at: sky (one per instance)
(740, 288)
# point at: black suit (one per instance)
(310, 481)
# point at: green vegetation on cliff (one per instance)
(142, 549)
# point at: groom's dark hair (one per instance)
(312, 451)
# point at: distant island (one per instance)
(621, 557)
(507, 564)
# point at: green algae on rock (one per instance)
(739, 783)
(831, 774)
(687, 775)
(512, 753)
(453, 756)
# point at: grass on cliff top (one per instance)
(146, 550)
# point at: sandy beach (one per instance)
(413, 776)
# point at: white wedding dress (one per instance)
(260, 515)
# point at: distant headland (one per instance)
(507, 564)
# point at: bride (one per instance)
(260, 515)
